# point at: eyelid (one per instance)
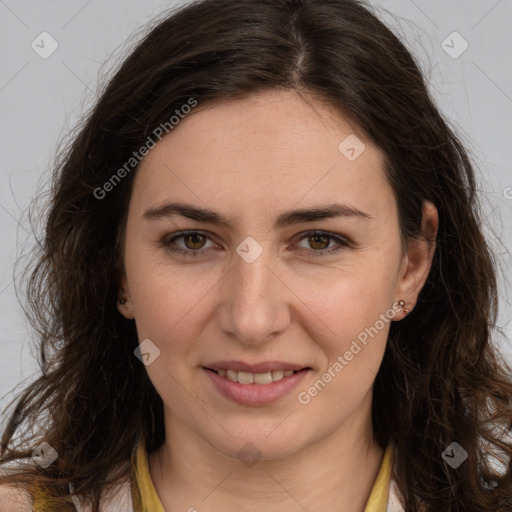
(168, 239)
(343, 242)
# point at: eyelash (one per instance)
(166, 242)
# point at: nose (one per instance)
(254, 300)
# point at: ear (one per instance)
(418, 259)
(125, 309)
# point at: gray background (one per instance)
(41, 100)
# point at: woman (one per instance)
(264, 283)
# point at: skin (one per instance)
(250, 160)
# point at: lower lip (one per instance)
(255, 394)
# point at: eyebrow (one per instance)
(288, 218)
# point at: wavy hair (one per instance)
(441, 378)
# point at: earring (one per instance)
(122, 301)
(401, 303)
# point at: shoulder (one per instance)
(13, 499)
(395, 503)
(118, 498)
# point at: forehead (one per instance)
(273, 149)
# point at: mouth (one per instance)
(255, 389)
(255, 378)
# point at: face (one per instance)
(252, 287)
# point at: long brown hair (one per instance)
(441, 379)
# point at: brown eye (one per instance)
(193, 241)
(319, 242)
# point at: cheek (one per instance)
(332, 304)
(159, 291)
(354, 317)
(337, 304)
(170, 303)
(353, 314)
(347, 303)
(165, 306)
(170, 311)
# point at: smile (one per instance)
(254, 378)
(254, 389)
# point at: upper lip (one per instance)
(262, 367)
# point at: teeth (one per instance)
(245, 378)
(263, 378)
(255, 378)
(232, 375)
(277, 375)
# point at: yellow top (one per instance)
(377, 502)
(150, 500)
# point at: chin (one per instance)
(253, 445)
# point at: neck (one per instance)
(336, 472)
